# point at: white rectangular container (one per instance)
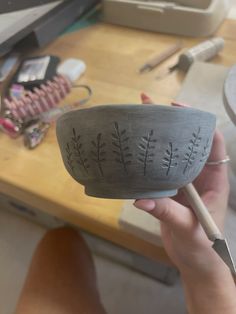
(182, 17)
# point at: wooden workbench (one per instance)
(113, 55)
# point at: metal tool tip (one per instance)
(222, 249)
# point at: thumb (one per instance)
(179, 218)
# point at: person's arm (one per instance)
(208, 284)
(210, 295)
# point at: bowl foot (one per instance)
(121, 193)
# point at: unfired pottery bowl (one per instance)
(135, 151)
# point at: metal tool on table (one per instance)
(220, 244)
(202, 52)
(155, 61)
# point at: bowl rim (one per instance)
(72, 114)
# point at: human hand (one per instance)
(183, 237)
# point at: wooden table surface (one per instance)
(113, 55)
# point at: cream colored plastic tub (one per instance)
(182, 17)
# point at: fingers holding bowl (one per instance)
(178, 217)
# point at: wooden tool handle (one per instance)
(165, 54)
(202, 213)
(155, 61)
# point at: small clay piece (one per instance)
(135, 151)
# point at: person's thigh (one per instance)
(61, 278)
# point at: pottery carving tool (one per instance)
(220, 244)
(202, 52)
(155, 61)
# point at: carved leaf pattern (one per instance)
(170, 159)
(69, 157)
(146, 146)
(206, 150)
(193, 147)
(98, 153)
(75, 152)
(121, 147)
(79, 152)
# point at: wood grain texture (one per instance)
(113, 56)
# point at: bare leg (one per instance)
(61, 278)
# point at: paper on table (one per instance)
(203, 89)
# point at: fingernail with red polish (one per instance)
(145, 98)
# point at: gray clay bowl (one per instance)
(135, 151)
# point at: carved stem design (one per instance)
(146, 147)
(69, 157)
(99, 153)
(190, 156)
(79, 152)
(119, 141)
(170, 158)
